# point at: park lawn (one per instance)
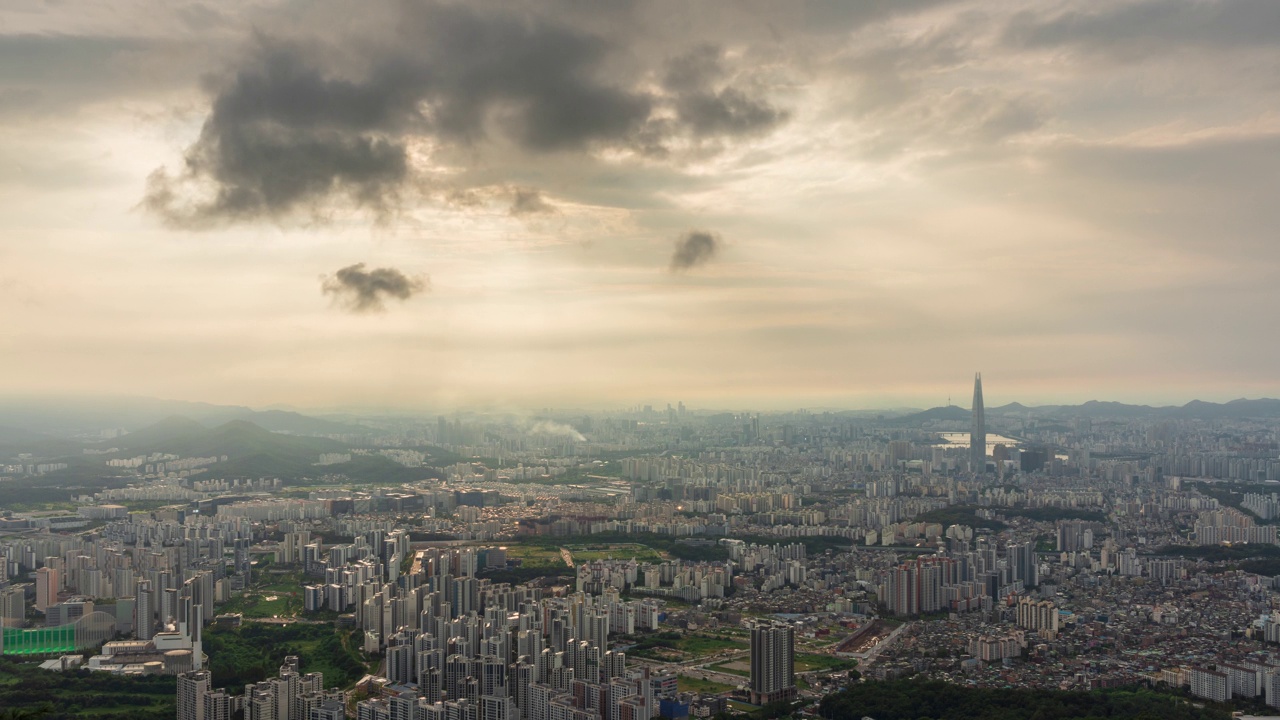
(272, 593)
(271, 577)
(685, 683)
(257, 605)
(744, 707)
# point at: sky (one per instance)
(434, 205)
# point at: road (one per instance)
(866, 659)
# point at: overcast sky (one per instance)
(428, 205)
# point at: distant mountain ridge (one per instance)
(1241, 409)
(253, 451)
(950, 412)
(60, 417)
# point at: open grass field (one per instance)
(741, 666)
(685, 683)
(535, 555)
(698, 646)
(673, 646)
(806, 662)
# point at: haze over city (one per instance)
(421, 205)
(639, 360)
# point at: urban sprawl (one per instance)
(664, 562)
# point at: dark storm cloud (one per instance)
(534, 81)
(694, 248)
(298, 124)
(361, 290)
(280, 136)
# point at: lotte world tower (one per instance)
(978, 430)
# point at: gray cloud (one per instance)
(281, 136)
(709, 108)
(529, 201)
(1150, 26)
(1210, 196)
(360, 290)
(298, 124)
(693, 249)
(53, 75)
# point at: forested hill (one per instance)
(937, 700)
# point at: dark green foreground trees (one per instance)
(29, 693)
(937, 700)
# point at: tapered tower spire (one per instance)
(978, 429)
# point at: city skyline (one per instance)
(761, 206)
(654, 562)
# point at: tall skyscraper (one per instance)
(772, 662)
(978, 429)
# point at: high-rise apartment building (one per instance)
(47, 585)
(1024, 564)
(192, 687)
(144, 616)
(13, 604)
(978, 429)
(772, 662)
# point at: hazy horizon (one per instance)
(758, 206)
(658, 405)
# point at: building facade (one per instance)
(772, 662)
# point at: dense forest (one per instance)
(74, 693)
(1223, 553)
(256, 651)
(959, 515)
(1050, 514)
(937, 700)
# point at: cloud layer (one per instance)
(297, 126)
(1072, 197)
